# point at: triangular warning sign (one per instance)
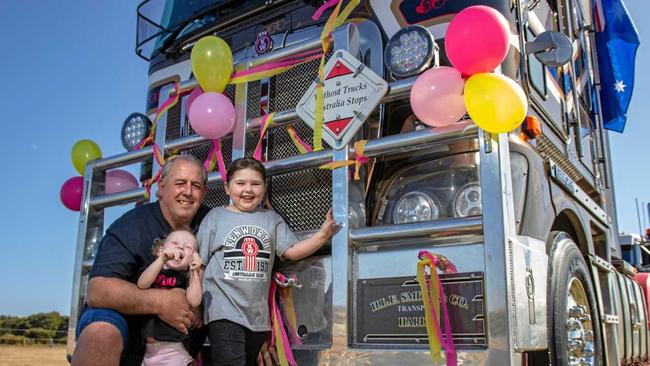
(338, 70)
(338, 126)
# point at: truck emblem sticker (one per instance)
(263, 43)
(426, 6)
(247, 253)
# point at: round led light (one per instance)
(136, 127)
(414, 207)
(468, 200)
(409, 51)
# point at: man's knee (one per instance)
(102, 334)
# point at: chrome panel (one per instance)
(396, 261)
(529, 264)
(466, 226)
(498, 228)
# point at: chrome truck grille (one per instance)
(302, 198)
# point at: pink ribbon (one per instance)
(276, 310)
(319, 12)
(448, 342)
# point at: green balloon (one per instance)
(82, 152)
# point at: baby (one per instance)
(178, 266)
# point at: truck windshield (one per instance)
(163, 21)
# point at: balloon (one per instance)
(71, 193)
(477, 40)
(212, 115)
(82, 152)
(212, 63)
(437, 96)
(495, 102)
(119, 181)
(190, 99)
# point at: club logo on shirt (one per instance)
(247, 253)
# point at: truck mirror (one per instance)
(553, 49)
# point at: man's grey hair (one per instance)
(187, 158)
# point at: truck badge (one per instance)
(263, 43)
(426, 6)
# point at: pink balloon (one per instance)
(437, 96)
(71, 192)
(477, 40)
(190, 99)
(212, 115)
(119, 181)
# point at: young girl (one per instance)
(239, 244)
(177, 255)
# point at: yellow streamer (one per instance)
(429, 299)
(279, 343)
(360, 159)
(294, 137)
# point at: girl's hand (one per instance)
(196, 262)
(330, 226)
(171, 254)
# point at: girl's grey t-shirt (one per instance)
(239, 249)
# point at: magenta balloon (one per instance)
(119, 181)
(437, 96)
(212, 115)
(71, 193)
(477, 40)
(190, 99)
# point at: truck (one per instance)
(527, 217)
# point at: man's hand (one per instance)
(174, 309)
(267, 356)
(197, 318)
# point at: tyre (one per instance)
(573, 322)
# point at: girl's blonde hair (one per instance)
(159, 242)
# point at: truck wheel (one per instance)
(574, 329)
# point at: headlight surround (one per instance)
(416, 206)
(135, 129)
(468, 200)
(410, 51)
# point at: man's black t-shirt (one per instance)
(126, 250)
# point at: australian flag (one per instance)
(616, 43)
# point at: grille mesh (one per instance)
(301, 198)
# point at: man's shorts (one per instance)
(103, 315)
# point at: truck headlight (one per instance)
(135, 129)
(467, 201)
(410, 51)
(416, 206)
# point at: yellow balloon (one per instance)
(82, 152)
(495, 102)
(212, 63)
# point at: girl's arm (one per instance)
(307, 247)
(194, 292)
(149, 275)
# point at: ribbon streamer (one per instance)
(278, 334)
(160, 159)
(301, 145)
(215, 157)
(272, 69)
(433, 297)
(266, 120)
(359, 159)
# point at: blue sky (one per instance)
(69, 72)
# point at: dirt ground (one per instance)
(32, 355)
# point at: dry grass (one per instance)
(32, 355)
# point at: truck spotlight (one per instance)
(135, 129)
(416, 206)
(467, 201)
(410, 51)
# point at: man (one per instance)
(109, 330)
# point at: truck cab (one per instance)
(526, 217)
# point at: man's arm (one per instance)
(170, 305)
